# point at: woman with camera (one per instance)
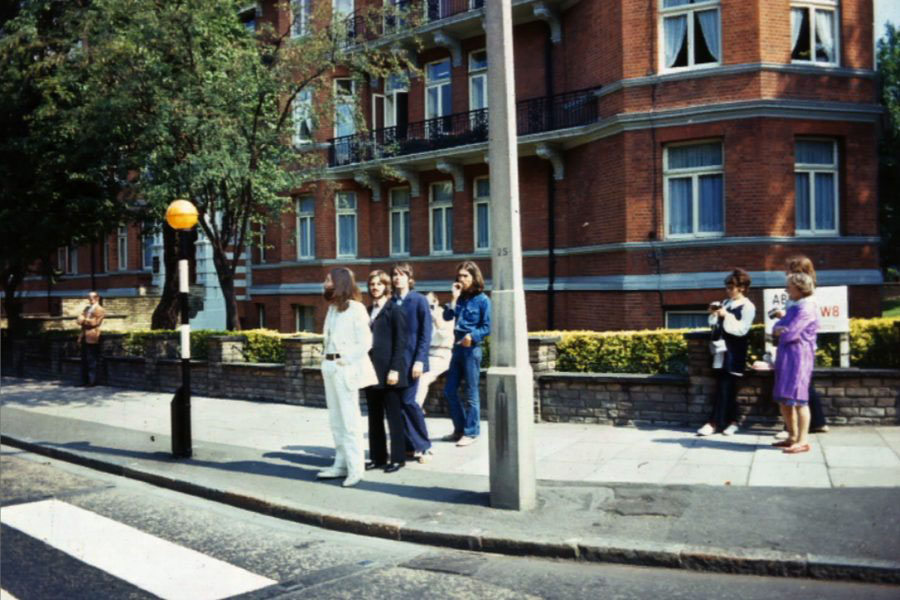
(731, 321)
(472, 310)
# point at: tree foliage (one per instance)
(208, 104)
(888, 59)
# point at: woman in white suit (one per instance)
(346, 368)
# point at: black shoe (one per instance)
(374, 465)
(394, 467)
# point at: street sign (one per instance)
(834, 315)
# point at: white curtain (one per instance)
(483, 240)
(697, 155)
(681, 219)
(813, 152)
(347, 235)
(437, 229)
(797, 16)
(825, 33)
(709, 23)
(711, 204)
(802, 200)
(824, 202)
(676, 37)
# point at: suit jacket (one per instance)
(389, 338)
(418, 328)
(348, 332)
(90, 324)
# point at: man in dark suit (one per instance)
(388, 356)
(418, 326)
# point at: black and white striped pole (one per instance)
(182, 216)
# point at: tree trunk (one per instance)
(165, 315)
(225, 273)
(12, 278)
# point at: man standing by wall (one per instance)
(90, 321)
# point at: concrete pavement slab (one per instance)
(693, 473)
(865, 477)
(790, 475)
(870, 456)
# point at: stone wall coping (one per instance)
(545, 339)
(177, 361)
(856, 372)
(228, 338)
(306, 339)
(698, 335)
(639, 378)
(252, 365)
(69, 317)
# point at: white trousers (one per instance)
(437, 367)
(344, 418)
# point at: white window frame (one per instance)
(301, 114)
(105, 253)
(694, 173)
(811, 6)
(260, 315)
(443, 207)
(62, 259)
(352, 95)
(145, 265)
(300, 15)
(477, 73)
(305, 219)
(260, 235)
(810, 169)
(689, 10)
(338, 213)
(404, 241)
(437, 83)
(704, 314)
(476, 201)
(122, 248)
(299, 309)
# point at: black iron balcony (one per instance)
(401, 15)
(536, 115)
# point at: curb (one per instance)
(628, 552)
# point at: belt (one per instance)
(332, 356)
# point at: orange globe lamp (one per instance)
(181, 215)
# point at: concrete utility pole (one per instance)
(509, 382)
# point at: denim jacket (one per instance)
(473, 316)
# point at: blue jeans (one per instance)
(464, 364)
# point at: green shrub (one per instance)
(263, 346)
(658, 351)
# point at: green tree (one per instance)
(209, 105)
(60, 179)
(888, 57)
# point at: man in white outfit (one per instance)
(439, 350)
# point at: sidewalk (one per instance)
(608, 494)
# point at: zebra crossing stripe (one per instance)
(155, 565)
(4, 595)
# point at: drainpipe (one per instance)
(551, 195)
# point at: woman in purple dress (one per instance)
(796, 333)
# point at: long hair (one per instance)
(384, 278)
(477, 278)
(406, 269)
(801, 264)
(345, 288)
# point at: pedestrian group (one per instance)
(394, 350)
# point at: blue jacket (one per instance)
(418, 327)
(473, 316)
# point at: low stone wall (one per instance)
(849, 396)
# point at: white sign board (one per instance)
(834, 316)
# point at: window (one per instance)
(815, 181)
(482, 214)
(400, 222)
(682, 319)
(301, 113)
(345, 204)
(478, 80)
(147, 241)
(344, 117)
(437, 96)
(691, 33)
(343, 12)
(67, 260)
(248, 17)
(104, 244)
(306, 231)
(442, 217)
(260, 238)
(694, 190)
(261, 316)
(304, 318)
(122, 248)
(814, 36)
(300, 12)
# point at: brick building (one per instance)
(661, 144)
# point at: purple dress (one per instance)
(796, 353)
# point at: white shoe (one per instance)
(730, 430)
(466, 440)
(706, 430)
(782, 435)
(331, 473)
(424, 457)
(351, 480)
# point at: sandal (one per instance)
(796, 449)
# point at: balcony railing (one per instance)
(459, 129)
(402, 14)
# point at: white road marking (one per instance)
(155, 565)
(4, 595)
